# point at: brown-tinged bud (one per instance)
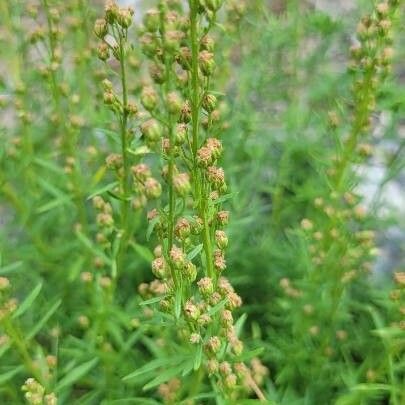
(190, 271)
(191, 311)
(206, 62)
(111, 11)
(306, 224)
(103, 52)
(153, 189)
(181, 184)
(114, 161)
(215, 146)
(157, 73)
(383, 8)
(152, 130)
(197, 225)
(151, 20)
(124, 17)
(225, 368)
(226, 318)
(182, 229)
(174, 103)
(159, 267)
(149, 98)
(180, 134)
(219, 260)
(234, 301)
(149, 45)
(212, 366)
(195, 338)
(4, 283)
(216, 176)
(399, 278)
(209, 102)
(131, 109)
(221, 239)
(177, 257)
(204, 156)
(205, 286)
(207, 43)
(213, 344)
(173, 40)
(185, 113)
(141, 171)
(213, 5)
(183, 57)
(101, 28)
(223, 218)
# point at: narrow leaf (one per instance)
(39, 325)
(75, 374)
(28, 301)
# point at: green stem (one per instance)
(124, 153)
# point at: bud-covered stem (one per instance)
(195, 116)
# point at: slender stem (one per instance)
(194, 76)
(124, 153)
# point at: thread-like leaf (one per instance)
(75, 374)
(28, 301)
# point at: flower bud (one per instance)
(185, 114)
(197, 225)
(213, 5)
(190, 271)
(100, 28)
(157, 73)
(213, 345)
(182, 229)
(103, 52)
(206, 62)
(221, 239)
(191, 311)
(151, 20)
(174, 103)
(219, 260)
(153, 189)
(141, 171)
(223, 218)
(181, 184)
(177, 257)
(205, 286)
(4, 283)
(149, 98)
(212, 366)
(215, 146)
(209, 102)
(183, 58)
(114, 161)
(204, 156)
(111, 11)
(159, 267)
(173, 40)
(195, 338)
(180, 134)
(152, 130)
(124, 17)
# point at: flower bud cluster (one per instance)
(7, 304)
(179, 116)
(397, 296)
(338, 227)
(35, 393)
